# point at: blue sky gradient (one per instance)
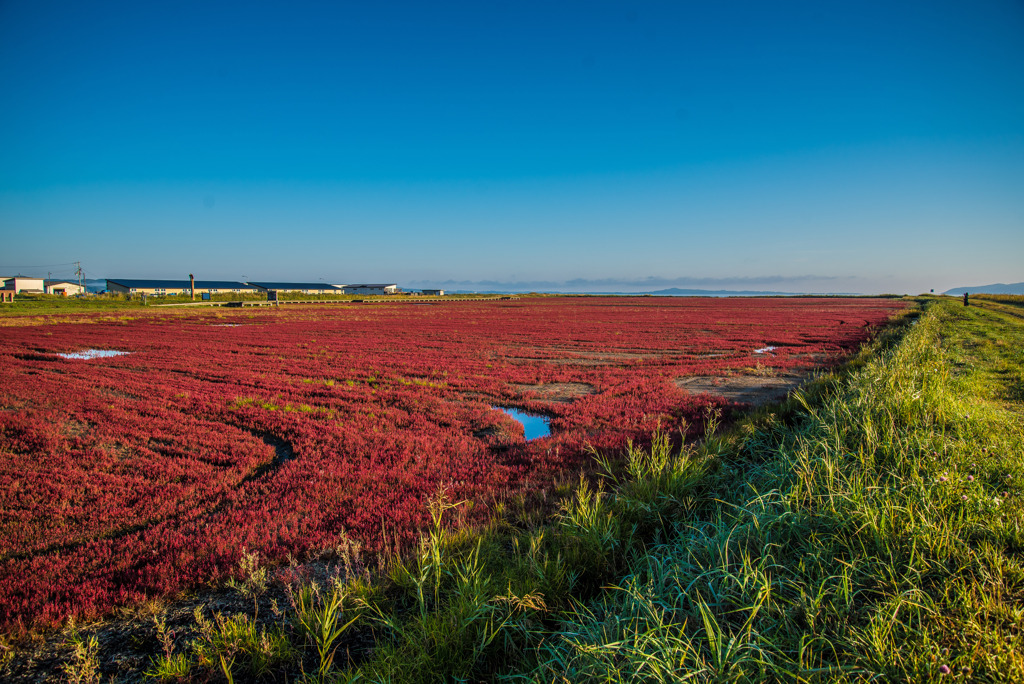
(805, 146)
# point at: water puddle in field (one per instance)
(533, 426)
(87, 354)
(764, 350)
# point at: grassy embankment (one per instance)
(868, 529)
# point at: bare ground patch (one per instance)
(115, 393)
(574, 356)
(817, 358)
(746, 389)
(73, 427)
(562, 361)
(559, 391)
(713, 353)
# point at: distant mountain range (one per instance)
(689, 292)
(998, 288)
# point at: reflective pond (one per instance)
(534, 426)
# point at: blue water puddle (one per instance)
(533, 426)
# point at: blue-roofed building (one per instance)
(305, 288)
(169, 288)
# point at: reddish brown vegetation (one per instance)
(143, 474)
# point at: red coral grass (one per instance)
(146, 473)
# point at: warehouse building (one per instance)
(305, 288)
(376, 289)
(170, 288)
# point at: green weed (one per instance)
(84, 667)
(318, 615)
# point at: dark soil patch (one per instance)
(745, 389)
(561, 392)
(282, 452)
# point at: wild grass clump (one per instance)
(321, 615)
(83, 667)
(1015, 300)
(232, 644)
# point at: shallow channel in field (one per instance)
(534, 426)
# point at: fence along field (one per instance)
(141, 474)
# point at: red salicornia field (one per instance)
(281, 430)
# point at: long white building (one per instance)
(305, 288)
(370, 289)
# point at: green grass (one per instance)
(1014, 300)
(34, 305)
(870, 529)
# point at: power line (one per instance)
(21, 266)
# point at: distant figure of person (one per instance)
(965, 300)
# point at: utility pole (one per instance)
(46, 283)
(81, 274)
(192, 285)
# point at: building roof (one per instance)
(375, 285)
(60, 282)
(180, 284)
(294, 286)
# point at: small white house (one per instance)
(24, 284)
(433, 292)
(63, 287)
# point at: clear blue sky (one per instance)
(861, 146)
